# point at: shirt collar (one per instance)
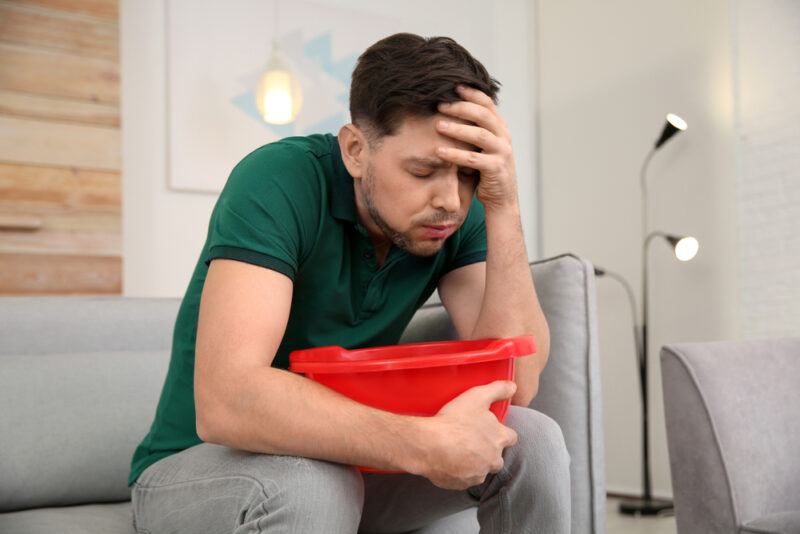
(343, 197)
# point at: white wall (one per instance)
(608, 74)
(164, 230)
(768, 151)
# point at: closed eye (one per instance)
(465, 172)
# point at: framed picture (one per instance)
(215, 55)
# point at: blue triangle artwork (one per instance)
(314, 55)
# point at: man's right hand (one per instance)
(466, 440)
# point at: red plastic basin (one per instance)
(416, 378)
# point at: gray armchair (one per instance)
(80, 378)
(733, 432)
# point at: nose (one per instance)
(446, 195)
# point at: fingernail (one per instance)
(441, 150)
(443, 125)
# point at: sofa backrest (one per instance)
(79, 382)
(80, 378)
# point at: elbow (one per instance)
(202, 433)
(206, 416)
(202, 428)
(203, 425)
(523, 397)
(542, 353)
(542, 341)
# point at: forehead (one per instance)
(417, 138)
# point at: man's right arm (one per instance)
(243, 402)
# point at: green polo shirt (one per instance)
(290, 206)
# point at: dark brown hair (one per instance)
(405, 74)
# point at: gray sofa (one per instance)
(80, 378)
(733, 431)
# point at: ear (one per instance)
(354, 148)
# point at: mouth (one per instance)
(438, 231)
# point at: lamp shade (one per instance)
(279, 96)
(685, 248)
(672, 125)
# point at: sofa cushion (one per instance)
(114, 518)
(43, 325)
(781, 523)
(70, 424)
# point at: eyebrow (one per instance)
(435, 163)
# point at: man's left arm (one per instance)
(496, 298)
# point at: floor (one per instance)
(617, 523)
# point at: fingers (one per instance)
(474, 135)
(475, 95)
(497, 465)
(477, 107)
(477, 114)
(494, 391)
(487, 164)
(511, 438)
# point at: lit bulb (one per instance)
(676, 121)
(686, 248)
(279, 95)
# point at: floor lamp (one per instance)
(685, 248)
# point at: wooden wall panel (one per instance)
(46, 72)
(106, 10)
(66, 232)
(25, 222)
(60, 223)
(23, 25)
(54, 143)
(25, 274)
(58, 109)
(25, 186)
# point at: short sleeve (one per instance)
(269, 210)
(471, 244)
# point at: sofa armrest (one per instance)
(699, 479)
(733, 430)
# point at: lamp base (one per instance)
(648, 507)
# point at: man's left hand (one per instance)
(497, 188)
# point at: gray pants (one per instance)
(216, 489)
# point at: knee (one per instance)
(316, 496)
(541, 443)
(318, 478)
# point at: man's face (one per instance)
(415, 199)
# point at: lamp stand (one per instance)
(646, 505)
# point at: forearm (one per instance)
(278, 412)
(510, 306)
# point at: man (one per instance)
(325, 240)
